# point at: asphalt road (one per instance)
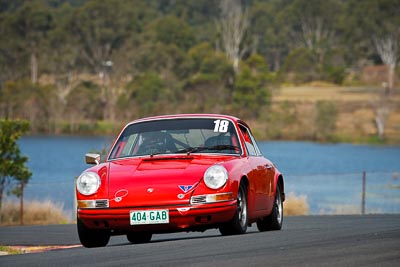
(371, 240)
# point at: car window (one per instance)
(251, 145)
(255, 145)
(217, 136)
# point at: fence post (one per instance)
(21, 205)
(364, 181)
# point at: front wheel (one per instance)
(274, 220)
(238, 225)
(92, 238)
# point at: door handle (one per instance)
(269, 166)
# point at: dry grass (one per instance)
(35, 213)
(295, 205)
(317, 92)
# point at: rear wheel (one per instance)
(274, 220)
(238, 225)
(92, 238)
(139, 237)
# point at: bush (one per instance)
(252, 91)
(325, 120)
(335, 74)
(300, 66)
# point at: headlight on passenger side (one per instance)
(215, 176)
(88, 183)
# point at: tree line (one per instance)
(70, 66)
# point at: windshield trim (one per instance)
(174, 155)
(242, 151)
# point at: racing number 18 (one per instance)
(221, 126)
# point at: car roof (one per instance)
(187, 116)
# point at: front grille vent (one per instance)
(198, 200)
(102, 203)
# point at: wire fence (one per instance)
(348, 193)
(324, 193)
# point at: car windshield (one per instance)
(176, 136)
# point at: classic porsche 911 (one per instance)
(174, 173)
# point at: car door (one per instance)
(261, 176)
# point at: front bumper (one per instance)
(181, 218)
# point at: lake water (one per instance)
(328, 176)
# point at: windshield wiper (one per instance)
(190, 150)
(223, 147)
(155, 153)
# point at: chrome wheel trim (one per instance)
(279, 208)
(242, 207)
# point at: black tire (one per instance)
(139, 237)
(92, 238)
(238, 225)
(275, 219)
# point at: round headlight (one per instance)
(88, 183)
(216, 176)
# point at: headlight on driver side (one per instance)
(88, 183)
(215, 176)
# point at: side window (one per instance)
(127, 151)
(255, 145)
(248, 140)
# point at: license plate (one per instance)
(149, 217)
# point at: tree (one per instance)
(388, 50)
(379, 31)
(377, 24)
(381, 106)
(12, 165)
(83, 103)
(270, 31)
(172, 30)
(35, 102)
(299, 66)
(313, 24)
(31, 24)
(63, 56)
(12, 57)
(164, 46)
(210, 74)
(251, 88)
(101, 28)
(147, 91)
(232, 26)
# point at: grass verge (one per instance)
(35, 213)
(6, 250)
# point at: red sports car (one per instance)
(174, 173)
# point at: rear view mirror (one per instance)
(92, 159)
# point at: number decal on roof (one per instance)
(221, 126)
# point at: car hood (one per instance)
(158, 180)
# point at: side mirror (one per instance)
(92, 159)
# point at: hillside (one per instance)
(294, 110)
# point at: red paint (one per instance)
(152, 182)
